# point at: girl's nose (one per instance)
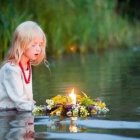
(38, 48)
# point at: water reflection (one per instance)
(81, 129)
(17, 125)
(59, 125)
(73, 127)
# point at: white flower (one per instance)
(69, 113)
(50, 102)
(49, 107)
(76, 109)
(97, 108)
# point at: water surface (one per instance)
(114, 76)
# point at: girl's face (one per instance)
(34, 49)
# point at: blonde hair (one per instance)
(22, 36)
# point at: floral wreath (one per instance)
(61, 105)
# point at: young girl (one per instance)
(27, 48)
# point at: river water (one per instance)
(113, 76)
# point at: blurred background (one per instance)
(93, 46)
(74, 26)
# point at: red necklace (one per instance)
(27, 80)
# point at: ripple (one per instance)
(89, 136)
(109, 124)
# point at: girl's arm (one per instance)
(13, 84)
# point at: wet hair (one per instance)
(22, 36)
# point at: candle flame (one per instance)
(72, 93)
(73, 96)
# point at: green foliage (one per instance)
(38, 110)
(87, 101)
(70, 25)
(9, 19)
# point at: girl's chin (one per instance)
(33, 59)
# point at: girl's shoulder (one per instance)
(10, 67)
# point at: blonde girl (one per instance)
(27, 48)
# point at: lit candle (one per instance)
(72, 95)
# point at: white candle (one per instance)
(73, 96)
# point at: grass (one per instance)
(71, 26)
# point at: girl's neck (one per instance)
(24, 65)
(24, 61)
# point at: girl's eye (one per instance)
(40, 46)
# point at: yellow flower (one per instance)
(93, 112)
(101, 104)
(59, 99)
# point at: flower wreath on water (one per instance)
(60, 105)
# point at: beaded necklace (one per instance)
(27, 80)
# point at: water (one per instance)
(114, 76)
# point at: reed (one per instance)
(71, 25)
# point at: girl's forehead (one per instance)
(38, 38)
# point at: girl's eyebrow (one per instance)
(35, 42)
